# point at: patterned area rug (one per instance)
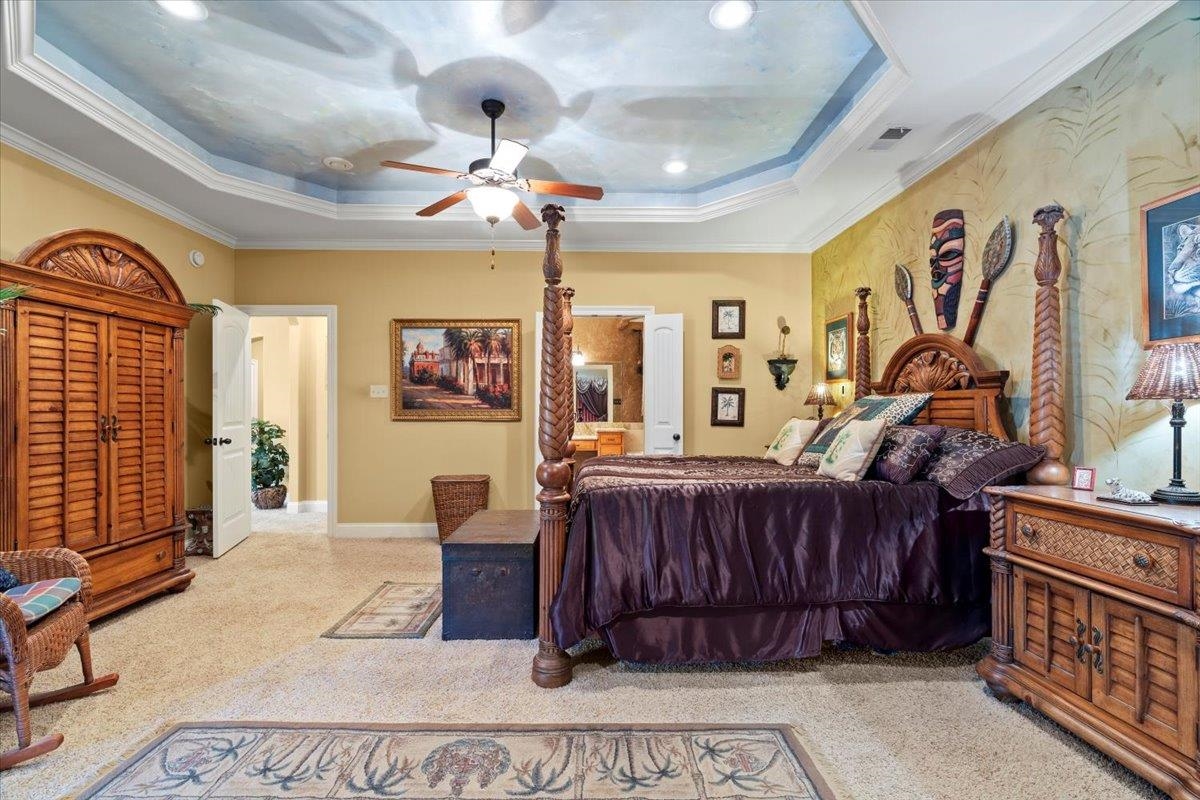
(394, 611)
(219, 761)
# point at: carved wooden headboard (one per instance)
(965, 393)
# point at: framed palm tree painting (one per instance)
(728, 407)
(448, 370)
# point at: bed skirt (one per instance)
(748, 634)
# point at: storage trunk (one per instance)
(489, 577)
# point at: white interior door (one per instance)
(662, 365)
(231, 417)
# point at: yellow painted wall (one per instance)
(384, 466)
(1123, 131)
(37, 199)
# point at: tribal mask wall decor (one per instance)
(946, 264)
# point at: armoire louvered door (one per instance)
(62, 353)
(140, 421)
(91, 413)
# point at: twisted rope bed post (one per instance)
(551, 665)
(1047, 416)
(862, 346)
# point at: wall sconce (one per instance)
(820, 396)
(782, 366)
(577, 358)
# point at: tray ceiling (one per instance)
(604, 93)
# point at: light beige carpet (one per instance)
(244, 643)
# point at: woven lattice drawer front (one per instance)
(1143, 562)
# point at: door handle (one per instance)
(113, 428)
(676, 437)
(103, 427)
(224, 441)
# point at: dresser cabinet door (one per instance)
(1145, 671)
(61, 460)
(1049, 617)
(141, 397)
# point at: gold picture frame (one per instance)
(456, 370)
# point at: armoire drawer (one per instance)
(121, 567)
(1138, 559)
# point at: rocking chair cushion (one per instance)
(38, 599)
(7, 580)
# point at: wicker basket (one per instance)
(456, 498)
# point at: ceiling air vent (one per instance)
(889, 138)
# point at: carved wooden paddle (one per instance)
(904, 290)
(996, 255)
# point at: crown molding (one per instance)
(523, 246)
(69, 164)
(1124, 21)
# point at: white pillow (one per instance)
(792, 438)
(851, 453)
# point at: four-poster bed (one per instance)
(668, 609)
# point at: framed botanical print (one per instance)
(729, 319)
(728, 407)
(839, 348)
(447, 370)
(729, 363)
(1171, 269)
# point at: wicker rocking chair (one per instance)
(44, 645)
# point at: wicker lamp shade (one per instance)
(1171, 372)
(819, 395)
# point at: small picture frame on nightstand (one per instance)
(1083, 479)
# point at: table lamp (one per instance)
(820, 396)
(1171, 372)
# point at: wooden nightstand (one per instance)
(610, 443)
(1094, 624)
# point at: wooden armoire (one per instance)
(91, 412)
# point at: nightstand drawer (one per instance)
(610, 443)
(1139, 559)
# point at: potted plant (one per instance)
(268, 465)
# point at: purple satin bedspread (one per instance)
(735, 559)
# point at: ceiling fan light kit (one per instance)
(493, 180)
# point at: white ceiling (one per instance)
(953, 71)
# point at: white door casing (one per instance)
(231, 415)
(662, 365)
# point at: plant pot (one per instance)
(270, 497)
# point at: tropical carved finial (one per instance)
(552, 215)
(1048, 267)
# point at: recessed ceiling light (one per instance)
(729, 14)
(186, 9)
(338, 163)
(675, 166)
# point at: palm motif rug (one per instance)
(393, 611)
(225, 760)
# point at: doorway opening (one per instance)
(289, 397)
(628, 392)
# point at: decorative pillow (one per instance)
(968, 460)
(853, 450)
(7, 580)
(36, 600)
(791, 440)
(898, 409)
(905, 451)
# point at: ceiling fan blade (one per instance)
(507, 156)
(525, 217)
(565, 189)
(420, 168)
(443, 204)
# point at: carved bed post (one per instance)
(862, 346)
(1047, 424)
(551, 665)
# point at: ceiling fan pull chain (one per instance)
(493, 227)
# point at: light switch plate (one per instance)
(378, 391)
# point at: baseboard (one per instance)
(386, 530)
(307, 506)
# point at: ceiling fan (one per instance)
(493, 180)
